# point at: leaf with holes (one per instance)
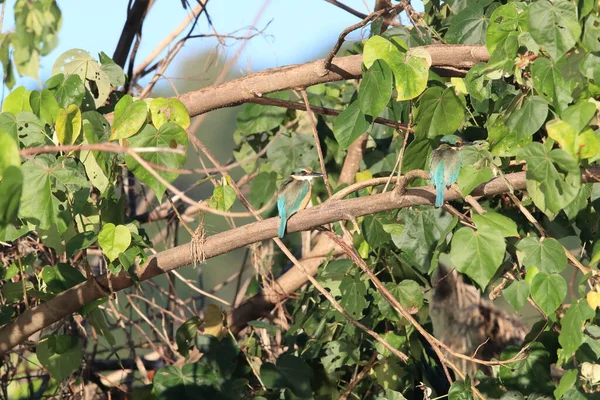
(80, 62)
(554, 26)
(223, 198)
(169, 110)
(67, 89)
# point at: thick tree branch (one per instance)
(255, 85)
(73, 299)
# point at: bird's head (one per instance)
(452, 140)
(304, 174)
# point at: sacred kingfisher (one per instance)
(445, 165)
(294, 194)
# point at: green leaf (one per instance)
(530, 374)
(186, 335)
(29, 130)
(61, 355)
(571, 333)
(81, 241)
(61, 277)
(257, 118)
(567, 381)
(353, 291)
(503, 142)
(80, 62)
(527, 116)
(290, 152)
(43, 206)
(546, 254)
(130, 117)
(169, 136)
(516, 294)
(478, 254)
(223, 198)
(340, 353)
(169, 110)
(440, 112)
(114, 240)
(66, 89)
(68, 125)
(468, 27)
(44, 105)
(373, 232)
(591, 33)
(396, 341)
(470, 177)
(13, 291)
(549, 82)
(410, 77)
(548, 291)
(349, 125)
(9, 152)
(263, 188)
(493, 221)
(460, 390)
(504, 21)
(11, 188)
(554, 26)
(332, 275)
(17, 101)
(114, 71)
(375, 88)
(379, 48)
(408, 293)
(298, 374)
(423, 228)
(545, 167)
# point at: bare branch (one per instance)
(74, 298)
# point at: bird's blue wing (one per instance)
(452, 165)
(436, 174)
(290, 200)
(282, 215)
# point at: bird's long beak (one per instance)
(315, 174)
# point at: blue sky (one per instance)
(299, 31)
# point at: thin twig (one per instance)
(366, 369)
(345, 32)
(313, 125)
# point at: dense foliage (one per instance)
(532, 107)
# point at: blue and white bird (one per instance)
(445, 165)
(294, 195)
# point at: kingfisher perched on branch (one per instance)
(294, 194)
(445, 165)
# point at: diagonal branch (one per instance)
(74, 298)
(242, 90)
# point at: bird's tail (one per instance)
(439, 195)
(282, 225)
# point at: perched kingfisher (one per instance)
(445, 165)
(294, 194)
